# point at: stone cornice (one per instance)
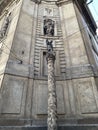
(74, 72)
(61, 2)
(36, 1)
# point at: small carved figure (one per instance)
(48, 11)
(48, 27)
(49, 45)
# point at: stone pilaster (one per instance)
(52, 98)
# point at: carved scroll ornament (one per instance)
(5, 26)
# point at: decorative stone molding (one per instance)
(5, 3)
(95, 70)
(36, 1)
(71, 73)
(79, 71)
(60, 2)
(5, 26)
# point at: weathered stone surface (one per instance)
(41, 93)
(87, 95)
(23, 85)
(3, 4)
(42, 99)
(93, 127)
(6, 44)
(12, 96)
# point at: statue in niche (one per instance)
(49, 45)
(5, 26)
(48, 27)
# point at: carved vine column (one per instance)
(52, 98)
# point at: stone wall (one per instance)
(6, 42)
(23, 80)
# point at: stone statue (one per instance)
(49, 45)
(48, 27)
(5, 26)
(48, 10)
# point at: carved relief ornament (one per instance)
(5, 26)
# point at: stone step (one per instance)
(66, 127)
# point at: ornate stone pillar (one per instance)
(52, 98)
